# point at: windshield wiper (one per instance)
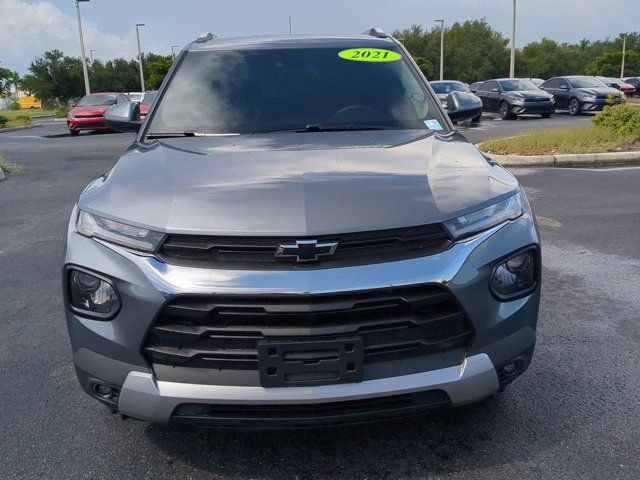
(189, 133)
(331, 128)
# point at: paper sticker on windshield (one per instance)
(369, 55)
(433, 124)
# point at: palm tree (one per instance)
(16, 79)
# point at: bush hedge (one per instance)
(620, 119)
(62, 112)
(3, 120)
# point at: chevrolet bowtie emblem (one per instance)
(306, 250)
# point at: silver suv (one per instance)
(298, 236)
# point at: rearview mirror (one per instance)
(463, 106)
(124, 117)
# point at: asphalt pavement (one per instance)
(574, 414)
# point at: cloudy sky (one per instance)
(29, 27)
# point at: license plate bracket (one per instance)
(304, 364)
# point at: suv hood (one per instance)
(90, 111)
(597, 91)
(297, 183)
(529, 94)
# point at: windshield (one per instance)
(262, 90)
(148, 98)
(586, 82)
(97, 100)
(517, 85)
(442, 88)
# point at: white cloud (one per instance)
(28, 29)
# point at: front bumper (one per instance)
(87, 123)
(533, 108)
(111, 352)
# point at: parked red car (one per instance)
(626, 88)
(146, 102)
(88, 114)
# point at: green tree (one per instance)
(157, 67)
(5, 80)
(472, 50)
(55, 78)
(608, 64)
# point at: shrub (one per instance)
(62, 113)
(22, 120)
(616, 99)
(3, 120)
(621, 119)
(14, 106)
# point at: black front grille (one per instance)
(222, 332)
(311, 414)
(360, 248)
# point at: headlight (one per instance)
(516, 276)
(472, 223)
(517, 100)
(71, 115)
(138, 238)
(588, 98)
(552, 98)
(91, 295)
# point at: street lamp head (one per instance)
(140, 24)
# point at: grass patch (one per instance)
(31, 112)
(8, 167)
(589, 139)
(633, 100)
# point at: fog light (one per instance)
(92, 295)
(510, 369)
(106, 393)
(515, 277)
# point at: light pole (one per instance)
(91, 54)
(84, 59)
(290, 25)
(173, 52)
(624, 53)
(441, 22)
(512, 68)
(138, 25)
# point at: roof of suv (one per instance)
(295, 41)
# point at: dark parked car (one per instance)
(474, 86)
(512, 97)
(298, 237)
(579, 93)
(444, 87)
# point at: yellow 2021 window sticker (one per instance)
(370, 55)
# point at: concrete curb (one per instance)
(576, 160)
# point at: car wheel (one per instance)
(574, 107)
(546, 115)
(476, 119)
(74, 133)
(505, 111)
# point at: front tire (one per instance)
(546, 115)
(74, 133)
(505, 111)
(574, 107)
(476, 119)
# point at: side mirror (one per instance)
(495, 90)
(463, 106)
(124, 117)
(564, 87)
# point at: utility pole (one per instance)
(290, 25)
(512, 69)
(624, 53)
(441, 22)
(173, 52)
(85, 72)
(138, 25)
(91, 54)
